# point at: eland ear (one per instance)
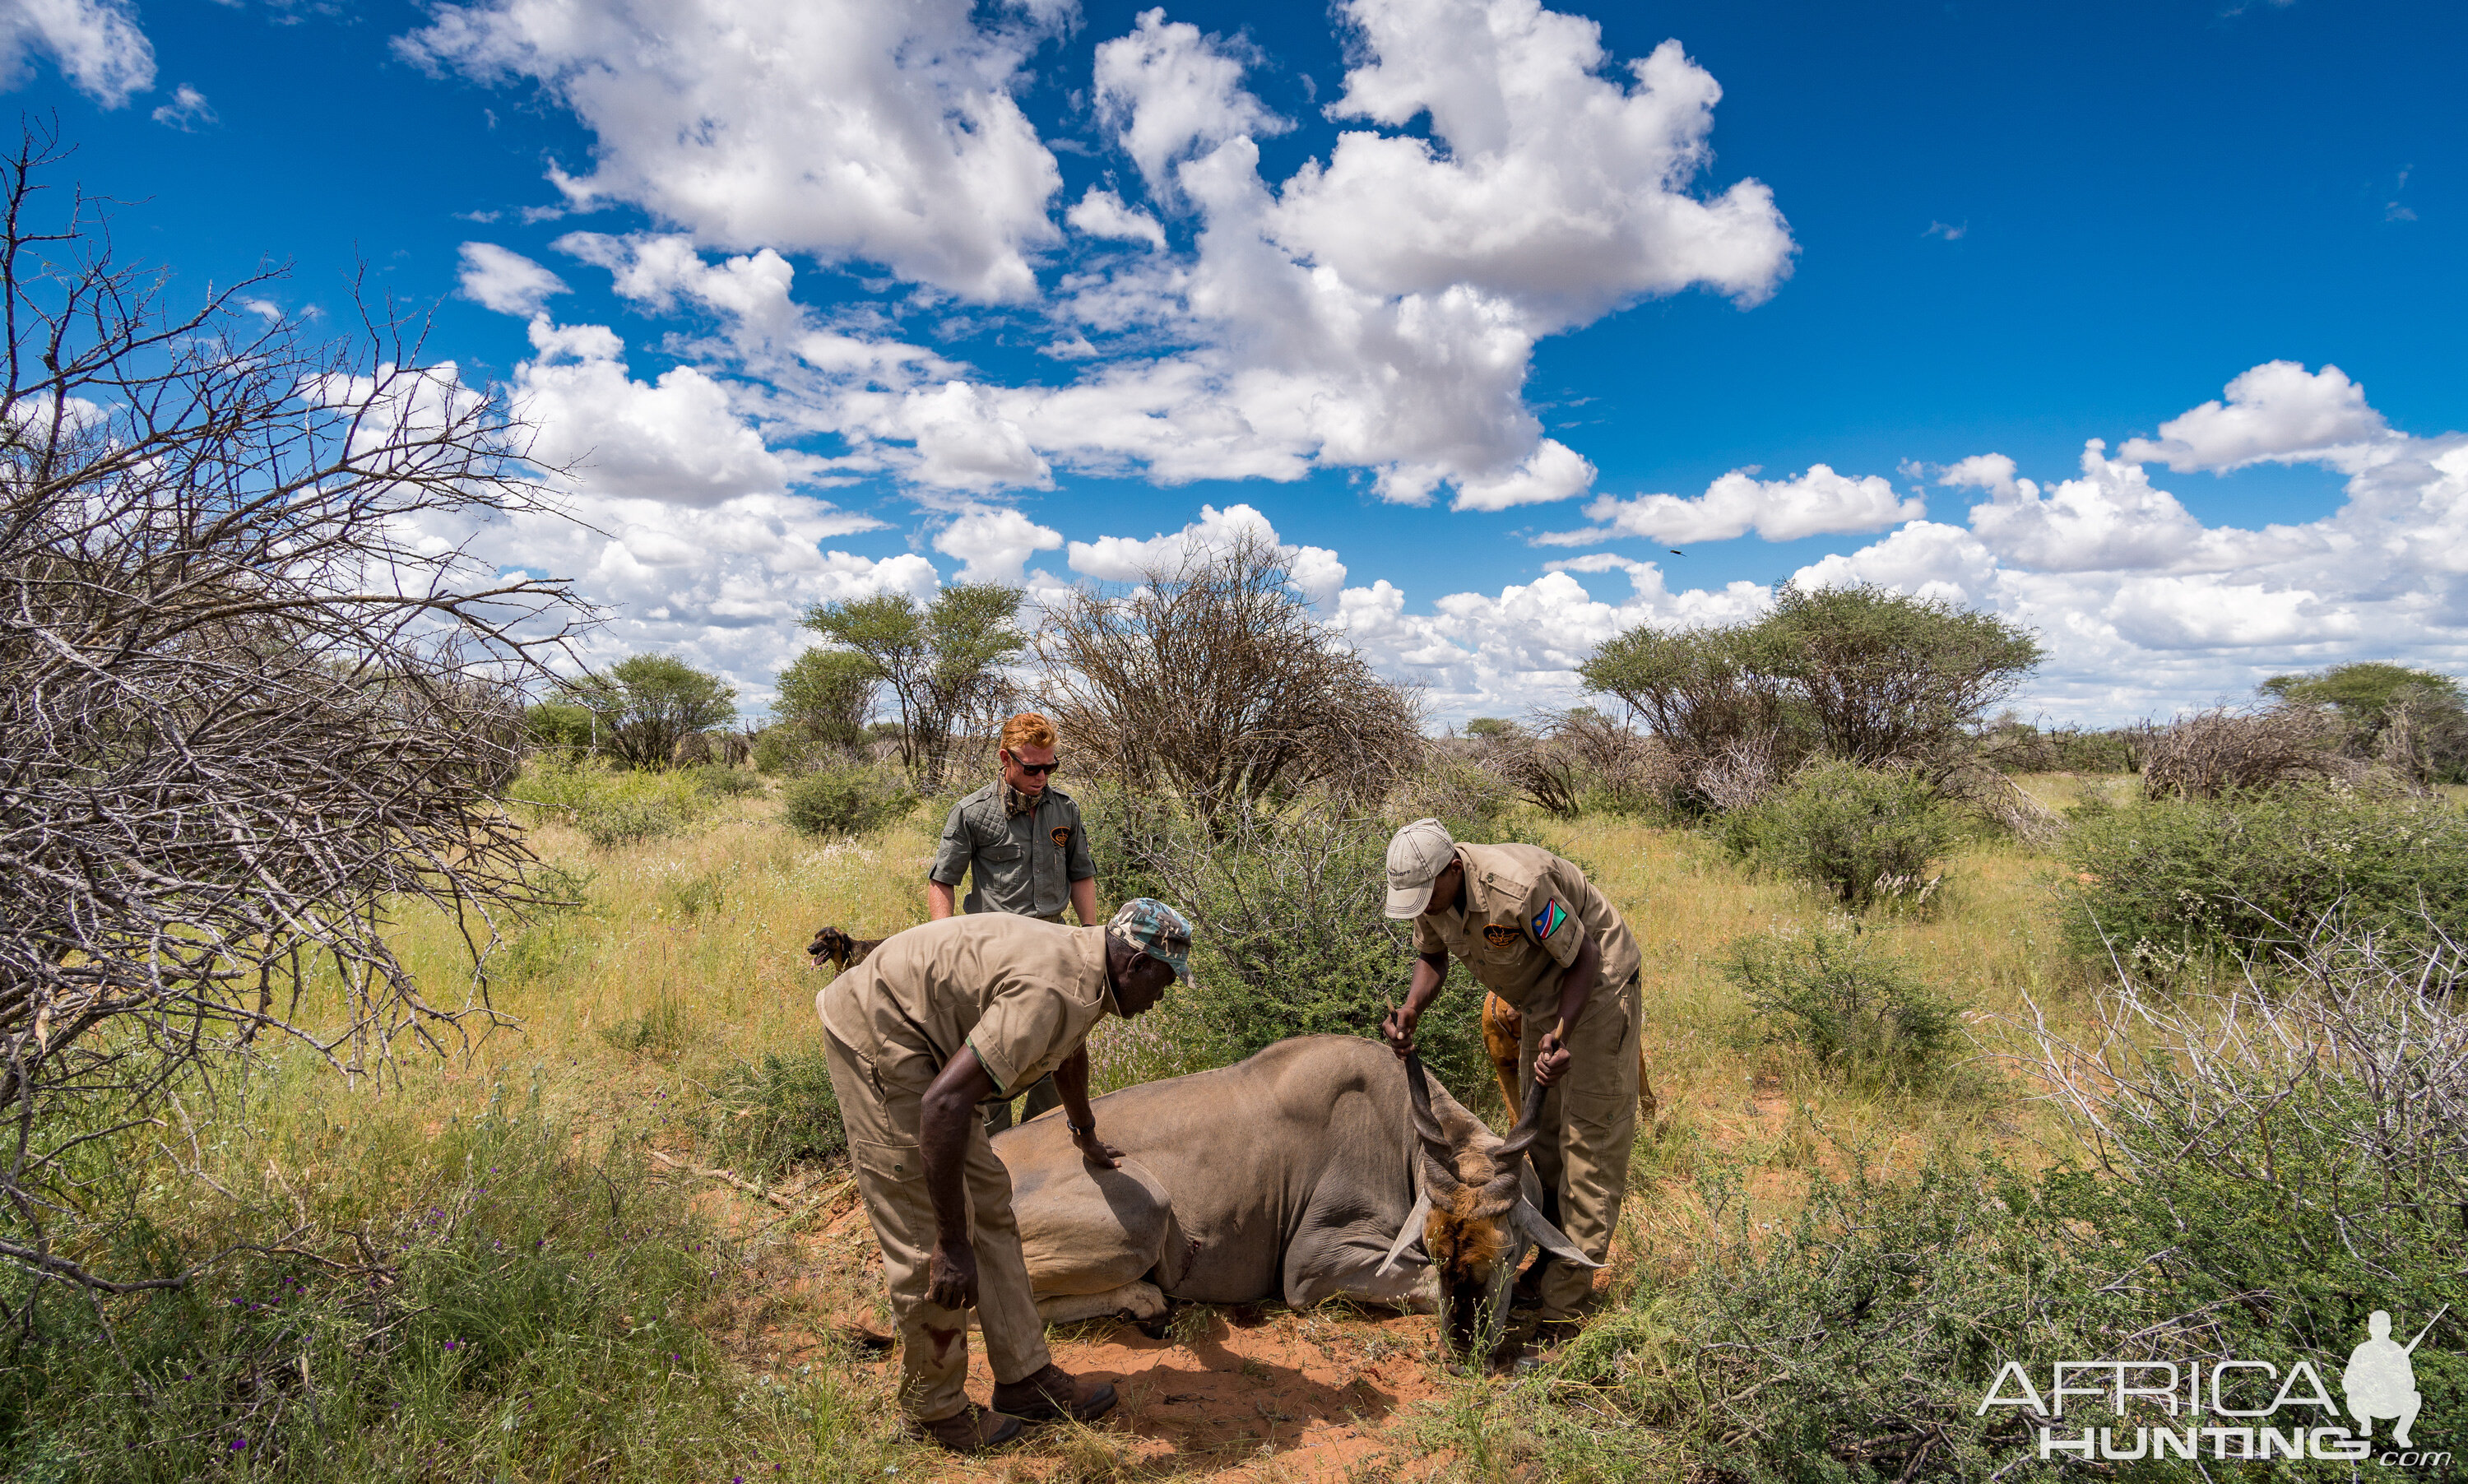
(1549, 1237)
(1410, 1233)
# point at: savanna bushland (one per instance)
(455, 1109)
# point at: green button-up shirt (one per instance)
(1023, 863)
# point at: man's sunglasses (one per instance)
(1035, 768)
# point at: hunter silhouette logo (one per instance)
(2380, 1380)
(2226, 1407)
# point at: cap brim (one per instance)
(1405, 902)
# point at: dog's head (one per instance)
(832, 946)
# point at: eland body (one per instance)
(1319, 1168)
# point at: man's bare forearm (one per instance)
(940, 902)
(1577, 986)
(1071, 1080)
(946, 1113)
(1422, 986)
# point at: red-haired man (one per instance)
(1019, 840)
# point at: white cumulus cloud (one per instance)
(883, 133)
(1376, 310)
(995, 544)
(2276, 412)
(677, 440)
(97, 45)
(1101, 212)
(1169, 93)
(505, 281)
(1317, 572)
(1547, 180)
(672, 514)
(2111, 518)
(1818, 502)
(186, 111)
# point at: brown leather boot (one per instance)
(1052, 1394)
(968, 1430)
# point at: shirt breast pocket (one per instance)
(1499, 943)
(999, 852)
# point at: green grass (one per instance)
(494, 1292)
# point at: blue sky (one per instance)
(1483, 308)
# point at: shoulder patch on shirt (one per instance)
(1499, 935)
(1547, 921)
(1061, 836)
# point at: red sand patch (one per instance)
(1235, 1393)
(1286, 1397)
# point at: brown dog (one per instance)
(1502, 1026)
(838, 949)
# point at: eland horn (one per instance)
(1530, 1125)
(1427, 1124)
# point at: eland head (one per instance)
(1474, 1216)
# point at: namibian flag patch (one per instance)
(1547, 921)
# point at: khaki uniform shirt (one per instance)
(1022, 863)
(1527, 913)
(1023, 994)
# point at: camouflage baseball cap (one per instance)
(1156, 930)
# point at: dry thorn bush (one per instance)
(2223, 751)
(250, 706)
(1212, 679)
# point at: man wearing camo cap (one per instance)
(937, 1021)
(1533, 930)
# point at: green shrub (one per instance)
(1866, 835)
(2268, 1174)
(628, 822)
(720, 781)
(844, 801)
(763, 1118)
(2179, 882)
(614, 806)
(528, 1310)
(785, 751)
(1291, 939)
(1858, 1009)
(557, 728)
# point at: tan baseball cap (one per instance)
(1417, 855)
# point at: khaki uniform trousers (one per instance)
(1588, 1127)
(879, 1107)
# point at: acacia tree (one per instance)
(645, 704)
(1887, 678)
(249, 699)
(827, 694)
(1859, 672)
(942, 660)
(2414, 721)
(1212, 677)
